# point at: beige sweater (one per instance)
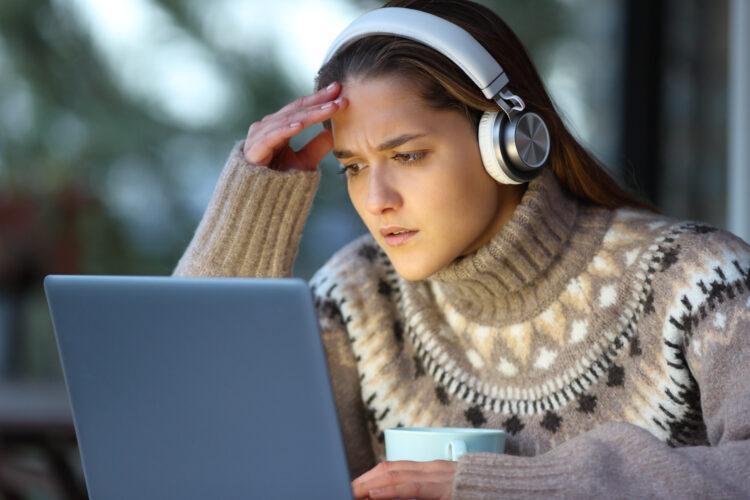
(612, 345)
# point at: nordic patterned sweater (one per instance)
(613, 346)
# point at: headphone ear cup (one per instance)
(526, 144)
(492, 158)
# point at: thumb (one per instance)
(316, 149)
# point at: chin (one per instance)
(413, 264)
(409, 276)
(410, 270)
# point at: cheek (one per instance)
(358, 197)
(467, 192)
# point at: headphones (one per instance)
(514, 144)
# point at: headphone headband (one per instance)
(514, 149)
(445, 37)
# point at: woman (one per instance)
(608, 341)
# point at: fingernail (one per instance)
(326, 105)
(331, 86)
(294, 124)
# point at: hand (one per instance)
(407, 479)
(267, 141)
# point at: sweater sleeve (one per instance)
(253, 222)
(622, 460)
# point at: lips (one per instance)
(397, 235)
(391, 230)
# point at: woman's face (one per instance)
(420, 169)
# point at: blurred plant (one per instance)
(65, 119)
(98, 179)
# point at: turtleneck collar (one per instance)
(548, 240)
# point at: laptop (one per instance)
(196, 388)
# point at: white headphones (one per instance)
(514, 144)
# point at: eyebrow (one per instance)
(389, 144)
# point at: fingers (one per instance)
(313, 114)
(394, 479)
(265, 138)
(319, 97)
(261, 146)
(300, 108)
(412, 490)
(404, 472)
(384, 467)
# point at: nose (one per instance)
(381, 194)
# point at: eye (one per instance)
(352, 168)
(413, 157)
(407, 158)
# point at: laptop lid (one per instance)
(196, 388)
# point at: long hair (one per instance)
(443, 85)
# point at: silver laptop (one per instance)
(196, 388)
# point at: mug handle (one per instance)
(456, 449)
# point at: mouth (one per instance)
(399, 237)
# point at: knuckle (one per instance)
(393, 475)
(286, 109)
(317, 108)
(283, 128)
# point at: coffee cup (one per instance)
(424, 444)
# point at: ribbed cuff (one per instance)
(613, 460)
(484, 476)
(253, 222)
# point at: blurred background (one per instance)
(116, 118)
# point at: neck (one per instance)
(547, 240)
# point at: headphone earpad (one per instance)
(493, 161)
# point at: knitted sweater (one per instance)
(613, 346)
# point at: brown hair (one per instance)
(443, 85)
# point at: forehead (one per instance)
(378, 105)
